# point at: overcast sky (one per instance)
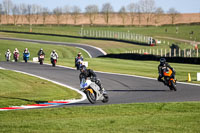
(183, 6)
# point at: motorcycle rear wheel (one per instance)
(91, 97)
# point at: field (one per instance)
(139, 118)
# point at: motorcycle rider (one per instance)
(53, 54)
(8, 54)
(40, 52)
(16, 51)
(26, 51)
(164, 65)
(79, 57)
(85, 73)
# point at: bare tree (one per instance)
(147, 8)
(173, 14)
(1, 13)
(36, 12)
(92, 12)
(15, 13)
(7, 8)
(45, 14)
(132, 11)
(75, 13)
(107, 11)
(158, 13)
(57, 14)
(123, 14)
(67, 11)
(23, 11)
(138, 13)
(29, 13)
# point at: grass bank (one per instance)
(178, 31)
(19, 89)
(125, 118)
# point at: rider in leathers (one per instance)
(163, 65)
(53, 54)
(41, 52)
(85, 73)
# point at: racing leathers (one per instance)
(88, 73)
(160, 71)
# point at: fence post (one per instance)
(179, 52)
(184, 52)
(197, 52)
(170, 53)
(190, 53)
(174, 52)
(153, 51)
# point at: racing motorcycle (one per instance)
(53, 61)
(169, 79)
(7, 55)
(16, 56)
(91, 89)
(26, 57)
(41, 59)
(79, 64)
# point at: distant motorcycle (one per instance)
(79, 64)
(26, 57)
(7, 55)
(168, 79)
(41, 59)
(54, 61)
(16, 56)
(91, 89)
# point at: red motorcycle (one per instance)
(16, 56)
(54, 61)
(41, 59)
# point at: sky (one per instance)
(182, 6)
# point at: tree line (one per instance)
(143, 11)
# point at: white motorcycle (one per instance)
(91, 89)
(7, 55)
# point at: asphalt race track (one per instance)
(120, 88)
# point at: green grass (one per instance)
(107, 46)
(124, 118)
(183, 30)
(20, 89)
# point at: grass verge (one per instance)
(19, 89)
(124, 118)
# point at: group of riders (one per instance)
(26, 54)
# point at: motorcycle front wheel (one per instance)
(173, 86)
(91, 96)
(106, 98)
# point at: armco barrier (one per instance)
(131, 56)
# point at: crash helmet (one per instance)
(8, 50)
(41, 49)
(54, 51)
(26, 49)
(162, 61)
(79, 54)
(15, 49)
(83, 69)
